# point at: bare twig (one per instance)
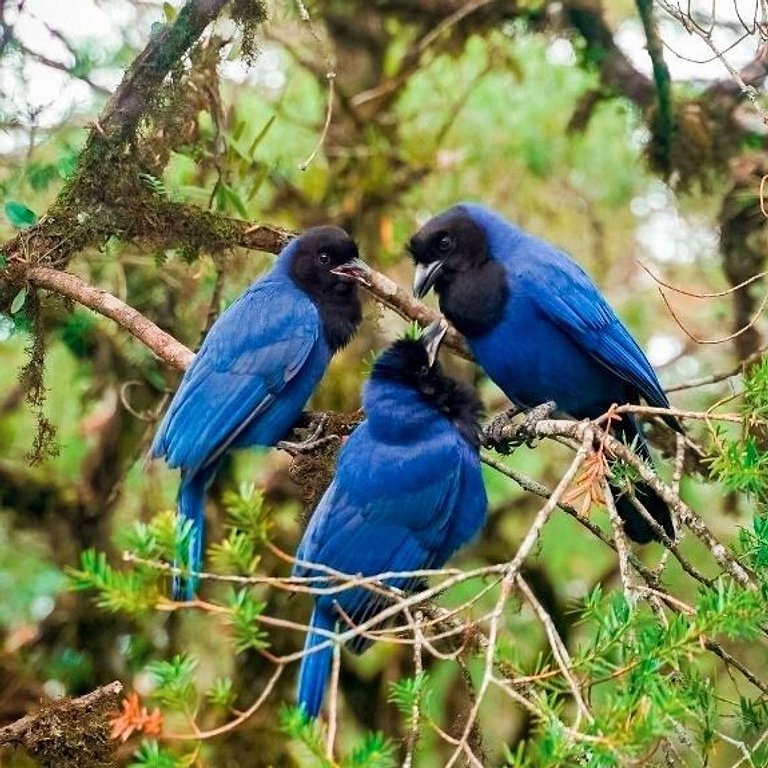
(236, 722)
(559, 651)
(619, 539)
(333, 702)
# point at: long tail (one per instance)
(190, 531)
(315, 667)
(635, 525)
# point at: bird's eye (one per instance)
(424, 371)
(445, 243)
(323, 257)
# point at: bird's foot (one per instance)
(307, 446)
(498, 433)
(500, 436)
(313, 442)
(526, 432)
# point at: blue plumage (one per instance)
(407, 494)
(538, 326)
(257, 368)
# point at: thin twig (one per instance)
(238, 721)
(559, 651)
(333, 702)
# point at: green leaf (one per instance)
(18, 301)
(175, 681)
(407, 692)
(19, 215)
(261, 134)
(221, 693)
(374, 752)
(7, 327)
(234, 200)
(169, 12)
(151, 755)
(244, 619)
(66, 164)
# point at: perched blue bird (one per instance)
(256, 369)
(407, 494)
(540, 328)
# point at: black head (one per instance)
(413, 363)
(323, 263)
(445, 247)
(451, 252)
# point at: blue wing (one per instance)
(471, 505)
(252, 352)
(573, 302)
(388, 509)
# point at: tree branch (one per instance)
(664, 122)
(227, 232)
(136, 92)
(161, 343)
(86, 716)
(391, 295)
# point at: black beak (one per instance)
(424, 276)
(355, 268)
(432, 338)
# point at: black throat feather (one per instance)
(474, 300)
(340, 314)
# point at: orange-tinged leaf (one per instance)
(587, 488)
(135, 719)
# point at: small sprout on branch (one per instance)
(244, 619)
(175, 682)
(221, 693)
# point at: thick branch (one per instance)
(135, 93)
(32, 730)
(616, 70)
(226, 232)
(664, 122)
(161, 343)
(389, 293)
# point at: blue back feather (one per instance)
(558, 335)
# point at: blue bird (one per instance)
(256, 369)
(407, 494)
(540, 329)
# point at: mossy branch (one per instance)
(231, 232)
(136, 93)
(664, 123)
(38, 254)
(68, 733)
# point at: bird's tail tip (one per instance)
(315, 666)
(636, 526)
(190, 523)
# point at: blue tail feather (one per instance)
(315, 667)
(191, 514)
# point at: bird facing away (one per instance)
(407, 494)
(256, 369)
(540, 328)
